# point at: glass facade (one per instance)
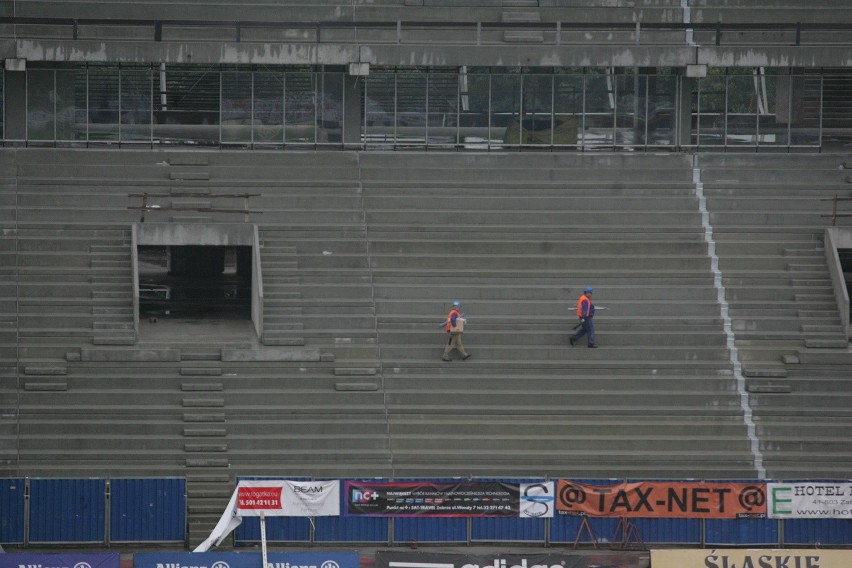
(418, 107)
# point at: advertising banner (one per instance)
(537, 500)
(806, 500)
(757, 558)
(683, 500)
(285, 498)
(246, 560)
(393, 559)
(70, 560)
(430, 499)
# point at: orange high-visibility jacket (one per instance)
(450, 319)
(584, 306)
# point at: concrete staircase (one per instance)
(112, 293)
(8, 314)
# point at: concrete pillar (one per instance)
(352, 119)
(15, 95)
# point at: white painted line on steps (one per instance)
(726, 320)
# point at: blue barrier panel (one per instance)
(815, 532)
(351, 529)
(741, 532)
(247, 559)
(406, 530)
(568, 529)
(12, 510)
(67, 510)
(64, 560)
(148, 510)
(669, 531)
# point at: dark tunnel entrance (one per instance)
(195, 282)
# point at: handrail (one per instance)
(834, 214)
(399, 25)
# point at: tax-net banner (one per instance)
(680, 500)
(806, 500)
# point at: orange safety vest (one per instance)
(583, 311)
(450, 319)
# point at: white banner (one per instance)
(754, 558)
(284, 498)
(805, 500)
(537, 500)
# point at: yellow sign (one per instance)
(751, 558)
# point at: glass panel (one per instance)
(136, 105)
(441, 114)
(537, 107)
(567, 108)
(330, 109)
(630, 110)
(745, 96)
(269, 107)
(71, 105)
(710, 110)
(379, 103)
(662, 94)
(236, 106)
(300, 108)
(103, 104)
(600, 110)
(411, 108)
(41, 96)
(805, 110)
(2, 106)
(505, 108)
(188, 109)
(772, 128)
(474, 131)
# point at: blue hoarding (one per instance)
(12, 510)
(69, 560)
(246, 560)
(67, 510)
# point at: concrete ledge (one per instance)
(201, 372)
(203, 402)
(218, 462)
(355, 371)
(205, 447)
(58, 387)
(201, 387)
(135, 355)
(826, 343)
(769, 389)
(72, 356)
(203, 417)
(45, 371)
(204, 432)
(790, 359)
(306, 355)
(766, 372)
(356, 387)
(189, 175)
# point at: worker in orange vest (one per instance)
(454, 326)
(586, 313)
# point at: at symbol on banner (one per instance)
(572, 495)
(751, 497)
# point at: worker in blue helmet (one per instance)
(586, 314)
(454, 326)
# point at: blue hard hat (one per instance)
(589, 289)
(456, 304)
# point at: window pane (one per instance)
(300, 108)
(567, 108)
(771, 120)
(745, 94)
(379, 108)
(188, 109)
(474, 131)
(709, 108)
(71, 105)
(662, 93)
(136, 105)
(537, 107)
(411, 108)
(805, 110)
(269, 107)
(330, 109)
(600, 110)
(441, 113)
(41, 97)
(103, 104)
(505, 108)
(630, 110)
(236, 106)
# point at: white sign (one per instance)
(804, 500)
(284, 498)
(537, 500)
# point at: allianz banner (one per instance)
(681, 500)
(757, 558)
(69, 560)
(464, 499)
(805, 500)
